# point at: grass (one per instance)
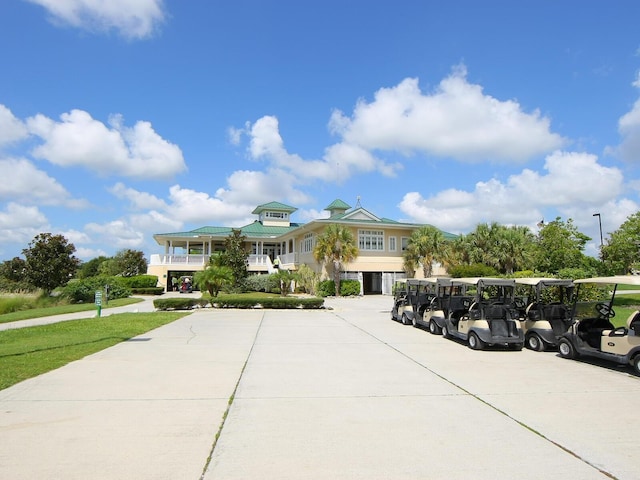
(31, 351)
(624, 305)
(60, 309)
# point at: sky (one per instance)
(120, 119)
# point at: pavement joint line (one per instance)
(231, 399)
(482, 400)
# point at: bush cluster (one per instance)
(237, 301)
(348, 288)
(148, 291)
(261, 283)
(140, 281)
(84, 290)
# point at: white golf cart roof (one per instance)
(616, 279)
(484, 280)
(534, 281)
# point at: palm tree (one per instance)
(213, 279)
(336, 246)
(426, 245)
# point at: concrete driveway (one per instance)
(342, 393)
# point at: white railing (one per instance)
(260, 261)
(179, 259)
(288, 258)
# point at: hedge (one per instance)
(148, 291)
(239, 302)
(327, 288)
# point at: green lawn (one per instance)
(31, 351)
(60, 309)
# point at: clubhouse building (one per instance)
(273, 242)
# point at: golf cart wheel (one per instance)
(434, 329)
(535, 343)
(474, 342)
(566, 349)
(445, 332)
(405, 319)
(414, 321)
(636, 364)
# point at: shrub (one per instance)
(141, 281)
(83, 291)
(326, 288)
(308, 279)
(349, 288)
(475, 270)
(148, 291)
(261, 283)
(179, 303)
(238, 301)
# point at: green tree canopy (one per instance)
(235, 256)
(426, 245)
(50, 261)
(14, 270)
(92, 267)
(335, 246)
(505, 249)
(559, 246)
(621, 253)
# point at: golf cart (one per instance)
(418, 296)
(450, 302)
(546, 314)
(399, 299)
(436, 292)
(491, 319)
(592, 334)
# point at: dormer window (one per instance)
(276, 215)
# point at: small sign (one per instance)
(98, 297)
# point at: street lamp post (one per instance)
(600, 224)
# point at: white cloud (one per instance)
(629, 128)
(523, 198)
(199, 207)
(117, 233)
(33, 186)
(457, 120)
(132, 19)
(20, 224)
(139, 200)
(11, 129)
(345, 159)
(81, 140)
(90, 253)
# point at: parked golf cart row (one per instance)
(546, 313)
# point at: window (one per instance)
(405, 243)
(279, 215)
(371, 240)
(392, 244)
(307, 243)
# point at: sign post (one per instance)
(99, 301)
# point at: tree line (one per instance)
(50, 262)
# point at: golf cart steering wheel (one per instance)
(605, 310)
(519, 303)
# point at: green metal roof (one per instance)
(338, 205)
(253, 230)
(275, 206)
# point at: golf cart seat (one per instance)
(557, 316)
(633, 323)
(590, 330)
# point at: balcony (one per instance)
(255, 263)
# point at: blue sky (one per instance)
(126, 118)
